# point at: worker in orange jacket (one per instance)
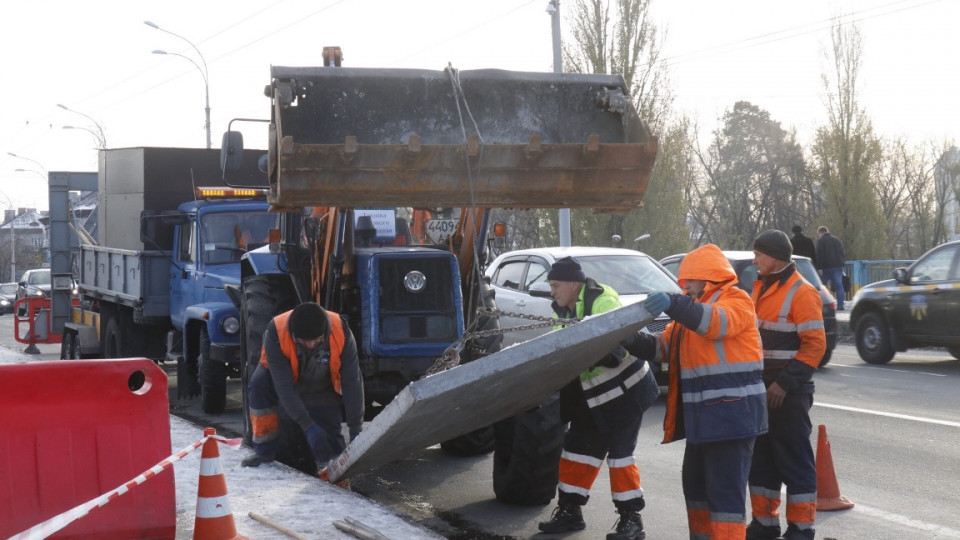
(716, 399)
(310, 372)
(790, 315)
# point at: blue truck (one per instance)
(154, 287)
(387, 177)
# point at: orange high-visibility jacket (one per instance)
(790, 314)
(289, 346)
(715, 391)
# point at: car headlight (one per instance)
(230, 325)
(4, 302)
(36, 292)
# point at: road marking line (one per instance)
(893, 370)
(908, 522)
(889, 414)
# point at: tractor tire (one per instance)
(213, 377)
(527, 455)
(264, 297)
(475, 443)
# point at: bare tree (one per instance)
(846, 152)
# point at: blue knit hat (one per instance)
(566, 269)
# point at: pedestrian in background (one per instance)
(830, 261)
(309, 368)
(790, 316)
(604, 406)
(803, 244)
(716, 399)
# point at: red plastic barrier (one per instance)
(36, 320)
(72, 431)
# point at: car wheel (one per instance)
(826, 357)
(873, 339)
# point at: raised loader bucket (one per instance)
(395, 137)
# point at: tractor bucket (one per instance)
(490, 138)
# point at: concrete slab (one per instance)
(477, 394)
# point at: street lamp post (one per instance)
(100, 134)
(553, 9)
(90, 131)
(203, 71)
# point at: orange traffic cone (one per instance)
(828, 492)
(214, 519)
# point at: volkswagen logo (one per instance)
(415, 281)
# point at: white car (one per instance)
(633, 274)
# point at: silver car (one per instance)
(514, 275)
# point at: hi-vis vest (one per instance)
(289, 346)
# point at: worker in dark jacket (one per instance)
(790, 316)
(308, 367)
(716, 399)
(831, 259)
(604, 406)
(803, 245)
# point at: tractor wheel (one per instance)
(264, 297)
(527, 455)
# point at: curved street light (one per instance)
(203, 70)
(100, 143)
(100, 135)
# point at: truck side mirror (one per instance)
(231, 151)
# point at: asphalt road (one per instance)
(894, 432)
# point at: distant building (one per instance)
(25, 227)
(946, 175)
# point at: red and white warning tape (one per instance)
(54, 524)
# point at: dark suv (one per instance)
(918, 307)
(742, 262)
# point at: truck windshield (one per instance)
(226, 236)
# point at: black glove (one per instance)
(317, 438)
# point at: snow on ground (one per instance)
(294, 500)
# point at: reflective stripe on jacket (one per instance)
(608, 390)
(289, 346)
(790, 314)
(716, 391)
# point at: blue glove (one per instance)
(317, 438)
(656, 303)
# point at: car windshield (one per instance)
(38, 278)
(8, 288)
(628, 274)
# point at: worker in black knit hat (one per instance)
(790, 316)
(309, 367)
(604, 406)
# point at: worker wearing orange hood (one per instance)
(716, 398)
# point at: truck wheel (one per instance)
(69, 348)
(213, 377)
(264, 297)
(873, 339)
(526, 459)
(112, 340)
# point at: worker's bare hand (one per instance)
(775, 395)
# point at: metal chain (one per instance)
(451, 356)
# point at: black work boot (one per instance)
(629, 527)
(756, 531)
(256, 459)
(795, 533)
(566, 517)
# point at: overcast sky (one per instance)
(95, 58)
